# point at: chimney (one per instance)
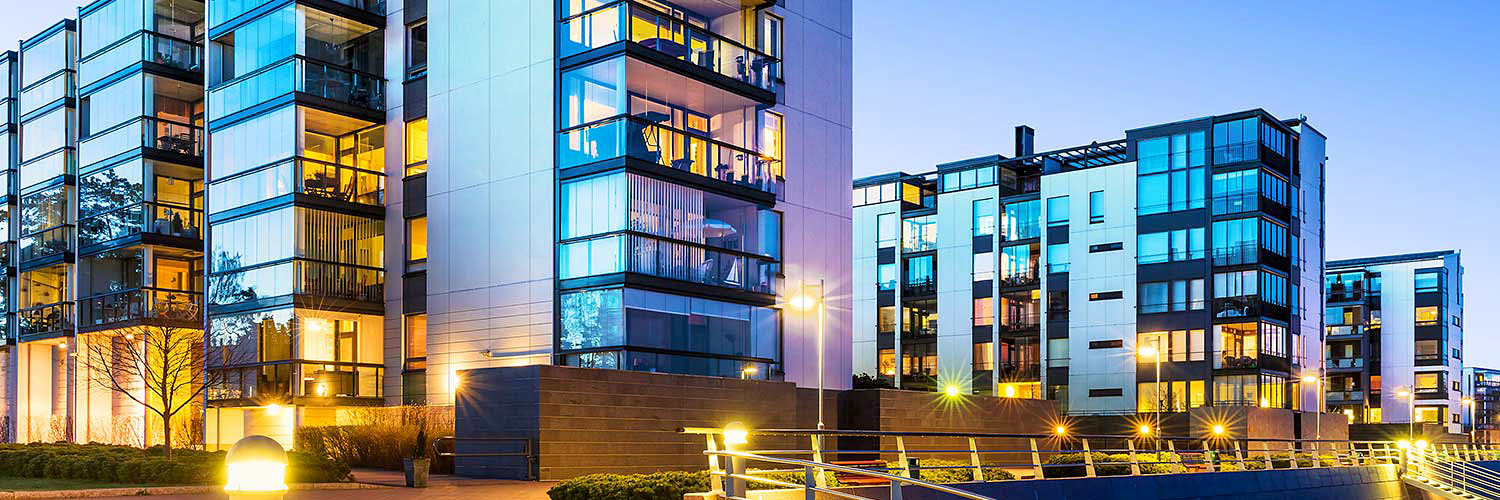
(1025, 141)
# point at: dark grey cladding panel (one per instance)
(414, 293)
(414, 196)
(414, 99)
(413, 11)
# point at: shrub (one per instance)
(1107, 465)
(123, 464)
(380, 437)
(654, 486)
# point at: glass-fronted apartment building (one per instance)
(349, 212)
(1043, 275)
(1481, 403)
(1395, 338)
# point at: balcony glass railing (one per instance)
(1344, 396)
(146, 131)
(670, 36)
(1236, 255)
(138, 304)
(699, 264)
(299, 277)
(338, 182)
(314, 379)
(1029, 278)
(1346, 362)
(54, 164)
(142, 46)
(49, 91)
(45, 319)
(655, 143)
(153, 218)
(1339, 330)
(301, 75)
(1019, 322)
(1234, 359)
(301, 175)
(55, 241)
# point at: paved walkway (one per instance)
(441, 487)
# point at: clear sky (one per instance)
(1408, 94)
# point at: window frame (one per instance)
(406, 231)
(415, 71)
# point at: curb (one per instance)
(170, 490)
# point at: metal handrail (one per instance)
(896, 481)
(526, 450)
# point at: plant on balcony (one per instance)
(160, 366)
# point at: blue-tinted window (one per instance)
(1057, 211)
(592, 318)
(919, 233)
(984, 217)
(1236, 141)
(919, 271)
(1022, 220)
(1170, 246)
(1170, 171)
(1096, 207)
(1235, 241)
(1234, 192)
(885, 276)
(1059, 260)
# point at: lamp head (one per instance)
(736, 433)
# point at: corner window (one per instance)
(416, 239)
(416, 50)
(416, 146)
(1170, 173)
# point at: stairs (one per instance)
(1440, 489)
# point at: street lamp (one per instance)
(1411, 418)
(749, 372)
(1152, 352)
(1468, 404)
(1321, 402)
(804, 300)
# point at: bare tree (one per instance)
(161, 363)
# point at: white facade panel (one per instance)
(865, 314)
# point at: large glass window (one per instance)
(256, 44)
(984, 266)
(45, 209)
(48, 285)
(43, 59)
(111, 188)
(1273, 237)
(1236, 141)
(1096, 207)
(1427, 281)
(885, 231)
(984, 217)
(1019, 263)
(111, 271)
(416, 49)
(1170, 173)
(1234, 192)
(109, 23)
(1171, 296)
(1237, 345)
(1022, 220)
(1170, 246)
(1235, 242)
(920, 271)
(885, 276)
(258, 141)
(593, 93)
(919, 233)
(1057, 211)
(46, 133)
(614, 317)
(597, 205)
(120, 101)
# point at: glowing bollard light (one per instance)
(256, 469)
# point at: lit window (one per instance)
(416, 146)
(416, 239)
(1427, 316)
(416, 342)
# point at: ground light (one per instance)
(1061, 431)
(1421, 444)
(736, 434)
(256, 468)
(273, 409)
(951, 391)
(1218, 430)
(1145, 430)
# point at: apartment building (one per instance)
(1071, 275)
(631, 184)
(1481, 403)
(1395, 338)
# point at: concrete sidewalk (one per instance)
(369, 484)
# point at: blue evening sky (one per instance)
(1408, 94)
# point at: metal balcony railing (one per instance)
(48, 243)
(45, 319)
(140, 304)
(150, 218)
(298, 74)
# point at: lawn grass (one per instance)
(40, 484)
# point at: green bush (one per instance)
(380, 437)
(1106, 464)
(124, 464)
(654, 486)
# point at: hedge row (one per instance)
(124, 464)
(673, 485)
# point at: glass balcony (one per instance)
(55, 241)
(298, 277)
(54, 164)
(1236, 255)
(1344, 396)
(138, 304)
(328, 180)
(143, 46)
(1344, 330)
(47, 92)
(1019, 322)
(1236, 359)
(41, 320)
(1346, 363)
(153, 218)
(298, 74)
(646, 140)
(146, 131)
(325, 379)
(919, 287)
(669, 36)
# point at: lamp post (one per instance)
(1411, 417)
(1152, 352)
(1468, 404)
(1318, 385)
(806, 300)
